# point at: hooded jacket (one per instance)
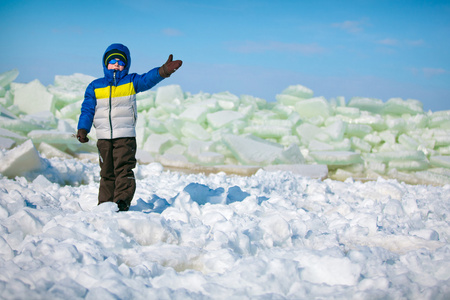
(110, 102)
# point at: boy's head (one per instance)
(115, 60)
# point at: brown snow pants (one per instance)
(117, 160)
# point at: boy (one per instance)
(110, 105)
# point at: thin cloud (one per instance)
(388, 42)
(350, 26)
(416, 43)
(255, 47)
(395, 42)
(171, 32)
(430, 72)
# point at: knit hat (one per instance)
(114, 53)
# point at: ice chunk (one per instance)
(440, 161)
(168, 94)
(408, 142)
(336, 158)
(194, 130)
(52, 137)
(49, 151)
(8, 77)
(299, 91)
(318, 106)
(6, 143)
(308, 132)
(176, 149)
(65, 126)
(145, 104)
(289, 139)
(283, 111)
(396, 124)
(268, 131)
(397, 155)
(440, 119)
(237, 169)
(45, 119)
(143, 157)
(223, 118)
(262, 116)
(388, 136)
(174, 126)
(312, 171)
(343, 145)
(419, 121)
(194, 113)
(70, 111)
(33, 97)
(444, 150)
(22, 159)
(252, 152)
(396, 106)
(377, 122)
(6, 113)
(287, 100)
(226, 100)
(431, 177)
(159, 143)
(70, 88)
(377, 167)
(251, 100)
(368, 104)
(211, 158)
(442, 140)
(408, 165)
(272, 122)
(12, 135)
(156, 125)
(196, 147)
(350, 112)
(359, 130)
(361, 145)
(336, 130)
(176, 161)
(372, 138)
(292, 155)
(319, 146)
(246, 110)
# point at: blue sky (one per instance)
(380, 49)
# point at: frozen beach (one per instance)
(302, 198)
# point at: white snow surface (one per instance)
(274, 235)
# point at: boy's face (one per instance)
(116, 65)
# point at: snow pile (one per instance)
(363, 138)
(273, 235)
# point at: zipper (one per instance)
(110, 103)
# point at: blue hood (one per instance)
(119, 74)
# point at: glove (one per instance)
(82, 135)
(169, 67)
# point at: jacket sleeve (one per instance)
(87, 109)
(147, 81)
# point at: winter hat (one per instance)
(114, 53)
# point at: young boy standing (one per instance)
(110, 105)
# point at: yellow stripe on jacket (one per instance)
(117, 91)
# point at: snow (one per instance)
(188, 236)
(305, 198)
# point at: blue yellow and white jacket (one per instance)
(110, 102)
